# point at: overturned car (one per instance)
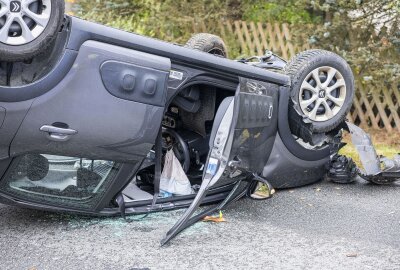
(93, 119)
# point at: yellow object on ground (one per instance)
(216, 219)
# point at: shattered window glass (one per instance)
(59, 180)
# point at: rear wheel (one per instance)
(322, 90)
(208, 43)
(28, 27)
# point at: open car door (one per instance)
(241, 141)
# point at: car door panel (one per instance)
(241, 147)
(11, 117)
(256, 124)
(118, 126)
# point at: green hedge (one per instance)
(371, 47)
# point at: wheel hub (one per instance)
(23, 21)
(322, 94)
(15, 6)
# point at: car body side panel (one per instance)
(108, 127)
(11, 117)
(82, 31)
(2, 115)
(285, 170)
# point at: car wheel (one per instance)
(322, 90)
(28, 27)
(208, 43)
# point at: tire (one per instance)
(20, 47)
(333, 98)
(208, 43)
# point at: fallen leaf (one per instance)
(216, 219)
(213, 219)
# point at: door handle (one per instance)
(58, 134)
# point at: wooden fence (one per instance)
(255, 38)
(375, 105)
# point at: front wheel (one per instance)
(322, 90)
(28, 27)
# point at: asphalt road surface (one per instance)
(322, 226)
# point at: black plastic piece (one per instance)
(186, 105)
(342, 170)
(191, 93)
(133, 82)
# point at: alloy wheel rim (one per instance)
(322, 94)
(21, 24)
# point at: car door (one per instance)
(105, 112)
(241, 142)
(109, 105)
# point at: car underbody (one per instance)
(85, 127)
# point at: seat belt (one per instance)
(157, 173)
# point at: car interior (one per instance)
(187, 130)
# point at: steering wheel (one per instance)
(172, 140)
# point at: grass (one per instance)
(386, 144)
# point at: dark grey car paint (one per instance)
(82, 31)
(107, 127)
(2, 115)
(285, 170)
(14, 114)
